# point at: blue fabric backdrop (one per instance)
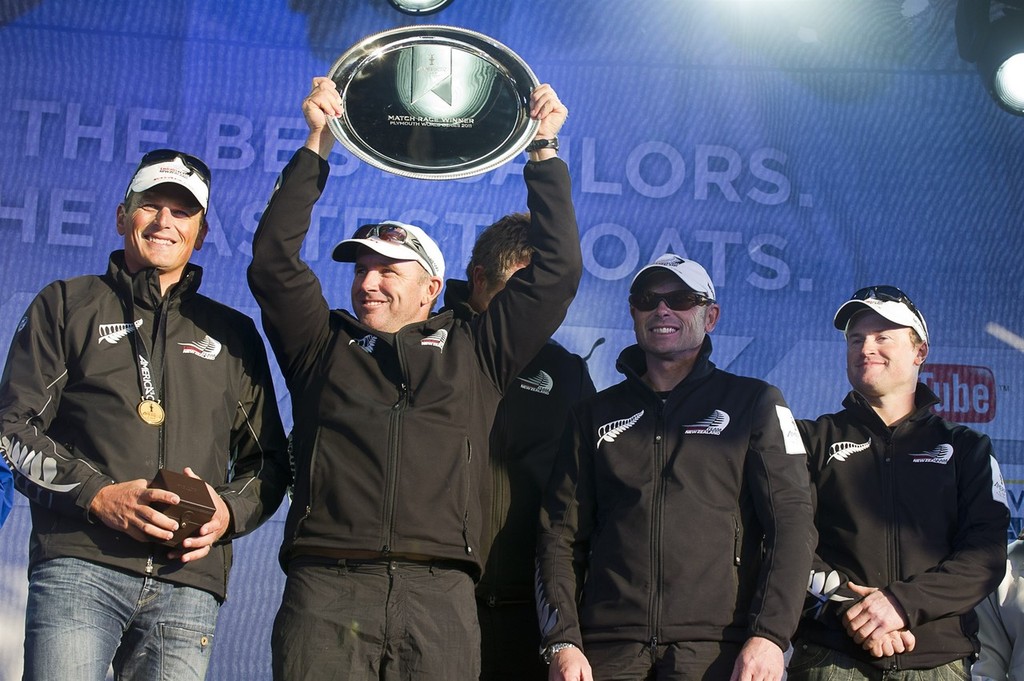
(799, 149)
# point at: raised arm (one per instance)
(295, 313)
(524, 315)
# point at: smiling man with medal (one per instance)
(114, 385)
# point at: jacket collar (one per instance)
(435, 322)
(144, 285)
(632, 363)
(456, 299)
(924, 400)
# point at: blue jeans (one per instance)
(812, 662)
(83, 617)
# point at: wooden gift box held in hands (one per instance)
(193, 511)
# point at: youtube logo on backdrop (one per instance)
(967, 394)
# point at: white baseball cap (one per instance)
(396, 240)
(889, 302)
(174, 167)
(689, 272)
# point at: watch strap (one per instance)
(537, 145)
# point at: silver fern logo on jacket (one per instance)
(609, 431)
(112, 333)
(841, 451)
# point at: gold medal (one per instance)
(151, 412)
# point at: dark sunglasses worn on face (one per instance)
(889, 294)
(191, 162)
(396, 234)
(680, 301)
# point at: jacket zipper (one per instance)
(309, 487)
(890, 527)
(161, 458)
(499, 465)
(394, 446)
(394, 443)
(657, 512)
(468, 488)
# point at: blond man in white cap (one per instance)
(676, 532)
(112, 380)
(910, 512)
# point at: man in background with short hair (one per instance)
(524, 439)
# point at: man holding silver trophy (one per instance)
(392, 409)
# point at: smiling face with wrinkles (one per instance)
(161, 227)
(387, 294)
(670, 335)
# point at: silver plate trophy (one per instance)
(433, 102)
(420, 7)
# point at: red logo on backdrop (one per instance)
(967, 394)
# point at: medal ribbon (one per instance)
(149, 367)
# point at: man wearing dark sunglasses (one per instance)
(910, 511)
(676, 530)
(392, 408)
(110, 381)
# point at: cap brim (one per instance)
(653, 269)
(643, 273)
(894, 311)
(154, 175)
(348, 250)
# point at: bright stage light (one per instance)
(1008, 83)
(991, 34)
(1002, 63)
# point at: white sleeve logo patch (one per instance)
(998, 486)
(790, 433)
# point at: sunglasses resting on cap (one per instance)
(396, 234)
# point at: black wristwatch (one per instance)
(537, 145)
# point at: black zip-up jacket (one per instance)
(69, 426)
(683, 519)
(918, 510)
(524, 440)
(390, 436)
